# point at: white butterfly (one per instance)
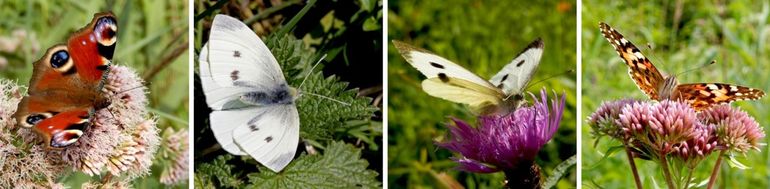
(253, 107)
(449, 81)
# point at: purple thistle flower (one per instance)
(505, 142)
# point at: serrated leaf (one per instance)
(559, 171)
(341, 166)
(218, 170)
(319, 117)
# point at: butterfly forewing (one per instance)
(641, 70)
(218, 97)
(434, 66)
(515, 76)
(239, 55)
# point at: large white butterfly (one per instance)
(253, 107)
(449, 81)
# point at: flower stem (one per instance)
(526, 176)
(715, 172)
(689, 176)
(666, 172)
(633, 168)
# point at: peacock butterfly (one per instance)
(66, 84)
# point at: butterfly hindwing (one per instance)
(515, 76)
(704, 95)
(271, 135)
(480, 99)
(641, 70)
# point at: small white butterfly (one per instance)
(254, 109)
(449, 81)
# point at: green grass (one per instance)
(152, 36)
(482, 36)
(734, 34)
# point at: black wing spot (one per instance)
(253, 128)
(504, 78)
(268, 139)
(443, 77)
(237, 54)
(439, 66)
(520, 63)
(234, 75)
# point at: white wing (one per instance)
(218, 97)
(433, 66)
(223, 123)
(270, 136)
(513, 78)
(235, 53)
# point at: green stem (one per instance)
(666, 172)
(633, 168)
(689, 176)
(715, 172)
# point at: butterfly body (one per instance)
(65, 88)
(652, 82)
(254, 110)
(502, 94)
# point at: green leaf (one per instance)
(319, 117)
(734, 163)
(217, 169)
(341, 166)
(559, 171)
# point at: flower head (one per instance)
(504, 142)
(28, 164)
(735, 129)
(661, 127)
(123, 137)
(604, 121)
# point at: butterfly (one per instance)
(254, 110)
(700, 96)
(66, 84)
(449, 81)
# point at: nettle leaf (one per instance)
(341, 166)
(217, 169)
(319, 117)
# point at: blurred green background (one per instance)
(482, 36)
(682, 35)
(152, 40)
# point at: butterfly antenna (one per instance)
(311, 71)
(697, 68)
(328, 98)
(132, 88)
(549, 77)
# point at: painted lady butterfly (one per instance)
(700, 96)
